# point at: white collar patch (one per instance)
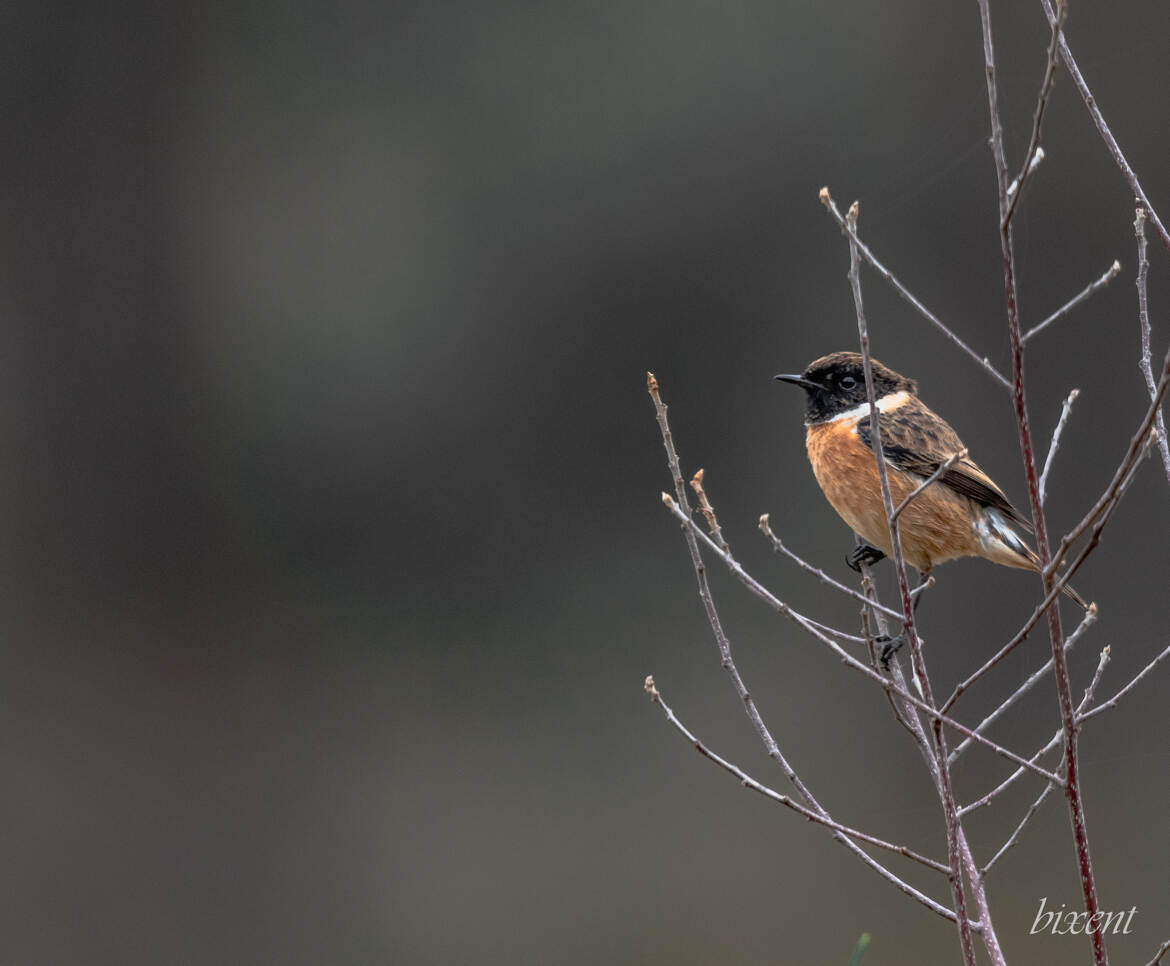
(887, 402)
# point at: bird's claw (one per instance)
(864, 554)
(889, 647)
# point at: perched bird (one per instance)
(962, 514)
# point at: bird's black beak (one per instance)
(798, 380)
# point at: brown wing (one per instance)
(918, 441)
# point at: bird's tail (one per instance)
(1004, 546)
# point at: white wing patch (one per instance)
(993, 532)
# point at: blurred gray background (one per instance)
(333, 552)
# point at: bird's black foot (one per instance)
(889, 647)
(866, 554)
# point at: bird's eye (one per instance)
(848, 382)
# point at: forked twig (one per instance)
(982, 361)
(1016, 188)
(760, 591)
(692, 533)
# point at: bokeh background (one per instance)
(333, 552)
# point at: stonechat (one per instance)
(962, 514)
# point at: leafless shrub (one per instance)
(931, 723)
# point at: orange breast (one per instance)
(937, 526)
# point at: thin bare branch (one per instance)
(908, 628)
(721, 640)
(1100, 515)
(1057, 586)
(943, 778)
(1036, 159)
(1015, 836)
(1016, 188)
(1110, 273)
(835, 632)
(1033, 678)
(908, 717)
(1053, 743)
(1020, 636)
(1055, 444)
(749, 782)
(758, 590)
(1139, 227)
(779, 547)
(1100, 512)
(982, 361)
(1103, 128)
(1091, 690)
(946, 464)
(692, 533)
(1060, 672)
(925, 585)
(1162, 950)
(707, 510)
(1112, 702)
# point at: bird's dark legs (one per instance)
(889, 644)
(864, 554)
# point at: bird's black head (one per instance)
(836, 382)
